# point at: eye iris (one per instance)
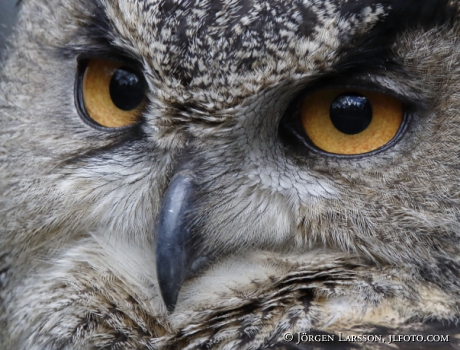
(126, 89)
(350, 113)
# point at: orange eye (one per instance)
(350, 121)
(113, 94)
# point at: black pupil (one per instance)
(351, 113)
(126, 89)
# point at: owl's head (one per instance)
(195, 151)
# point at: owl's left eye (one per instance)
(346, 122)
(110, 94)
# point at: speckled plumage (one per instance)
(300, 242)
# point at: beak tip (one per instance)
(170, 302)
(169, 282)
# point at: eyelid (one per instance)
(113, 56)
(372, 79)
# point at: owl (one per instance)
(230, 174)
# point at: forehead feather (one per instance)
(241, 47)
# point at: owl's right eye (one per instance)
(111, 94)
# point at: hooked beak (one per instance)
(177, 245)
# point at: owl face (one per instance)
(204, 155)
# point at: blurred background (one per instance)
(8, 10)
